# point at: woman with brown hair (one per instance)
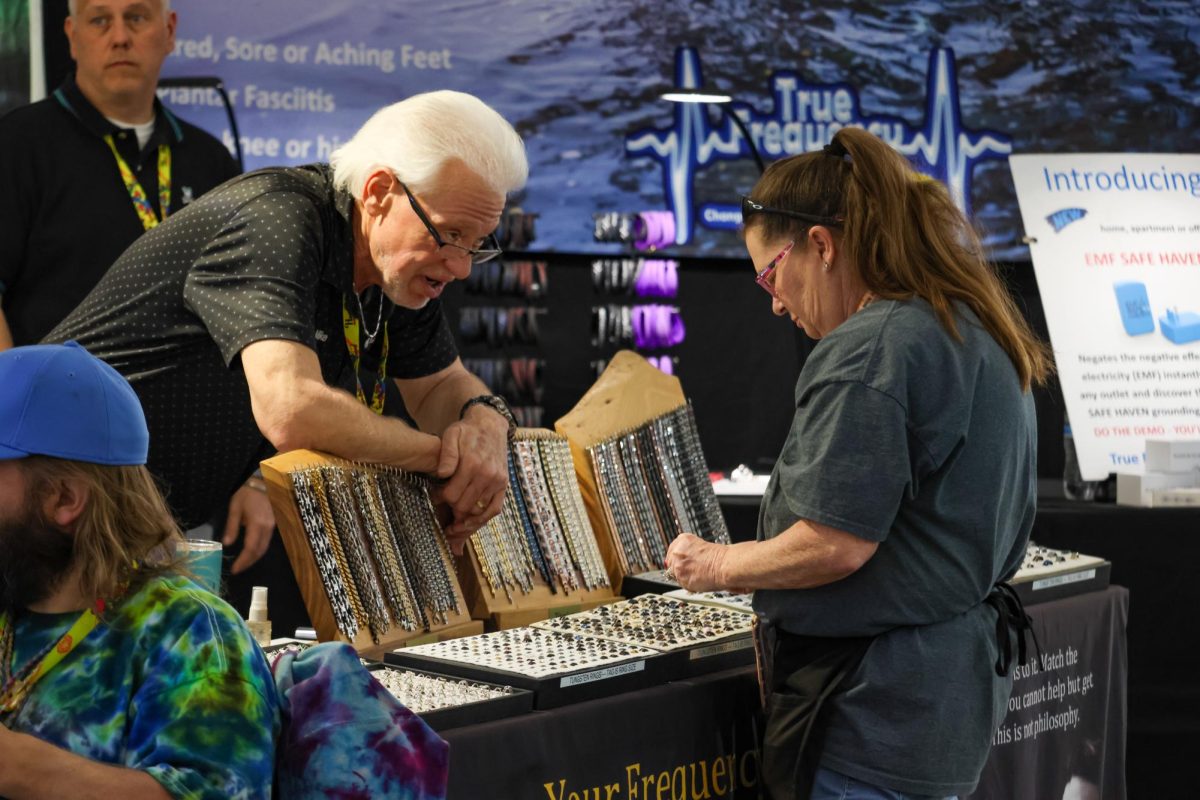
(904, 494)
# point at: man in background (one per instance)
(90, 168)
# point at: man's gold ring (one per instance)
(480, 505)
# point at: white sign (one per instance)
(602, 674)
(1115, 240)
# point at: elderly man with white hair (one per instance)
(235, 319)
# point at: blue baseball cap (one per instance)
(59, 400)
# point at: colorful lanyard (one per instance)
(141, 204)
(351, 330)
(18, 685)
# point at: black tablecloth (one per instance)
(1156, 554)
(682, 737)
(1066, 719)
(696, 738)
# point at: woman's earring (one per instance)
(825, 265)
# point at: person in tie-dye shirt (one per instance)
(119, 676)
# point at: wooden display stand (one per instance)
(499, 612)
(629, 394)
(276, 473)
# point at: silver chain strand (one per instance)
(565, 493)
(668, 453)
(660, 498)
(631, 466)
(599, 469)
(400, 517)
(428, 545)
(653, 482)
(375, 526)
(629, 504)
(363, 316)
(516, 543)
(571, 488)
(314, 528)
(617, 507)
(545, 521)
(321, 492)
(354, 546)
(716, 528)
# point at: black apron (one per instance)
(798, 675)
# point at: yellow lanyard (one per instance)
(141, 203)
(351, 331)
(17, 687)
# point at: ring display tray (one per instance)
(1049, 574)
(277, 646)
(559, 669)
(492, 701)
(736, 602)
(704, 638)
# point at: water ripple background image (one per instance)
(577, 78)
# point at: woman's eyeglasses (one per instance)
(765, 276)
(752, 207)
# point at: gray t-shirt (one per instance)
(906, 437)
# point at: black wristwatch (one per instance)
(497, 404)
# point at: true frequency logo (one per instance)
(804, 118)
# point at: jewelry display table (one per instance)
(696, 737)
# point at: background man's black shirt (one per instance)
(65, 214)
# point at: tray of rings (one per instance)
(732, 600)
(277, 646)
(559, 668)
(1049, 574)
(447, 702)
(704, 638)
(442, 701)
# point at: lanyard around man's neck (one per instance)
(141, 203)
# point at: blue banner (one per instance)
(956, 88)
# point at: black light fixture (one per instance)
(721, 101)
(206, 82)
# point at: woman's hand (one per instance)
(696, 564)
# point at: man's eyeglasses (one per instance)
(764, 277)
(752, 207)
(489, 250)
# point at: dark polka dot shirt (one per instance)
(266, 256)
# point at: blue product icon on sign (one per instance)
(1180, 327)
(1134, 305)
(1064, 217)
